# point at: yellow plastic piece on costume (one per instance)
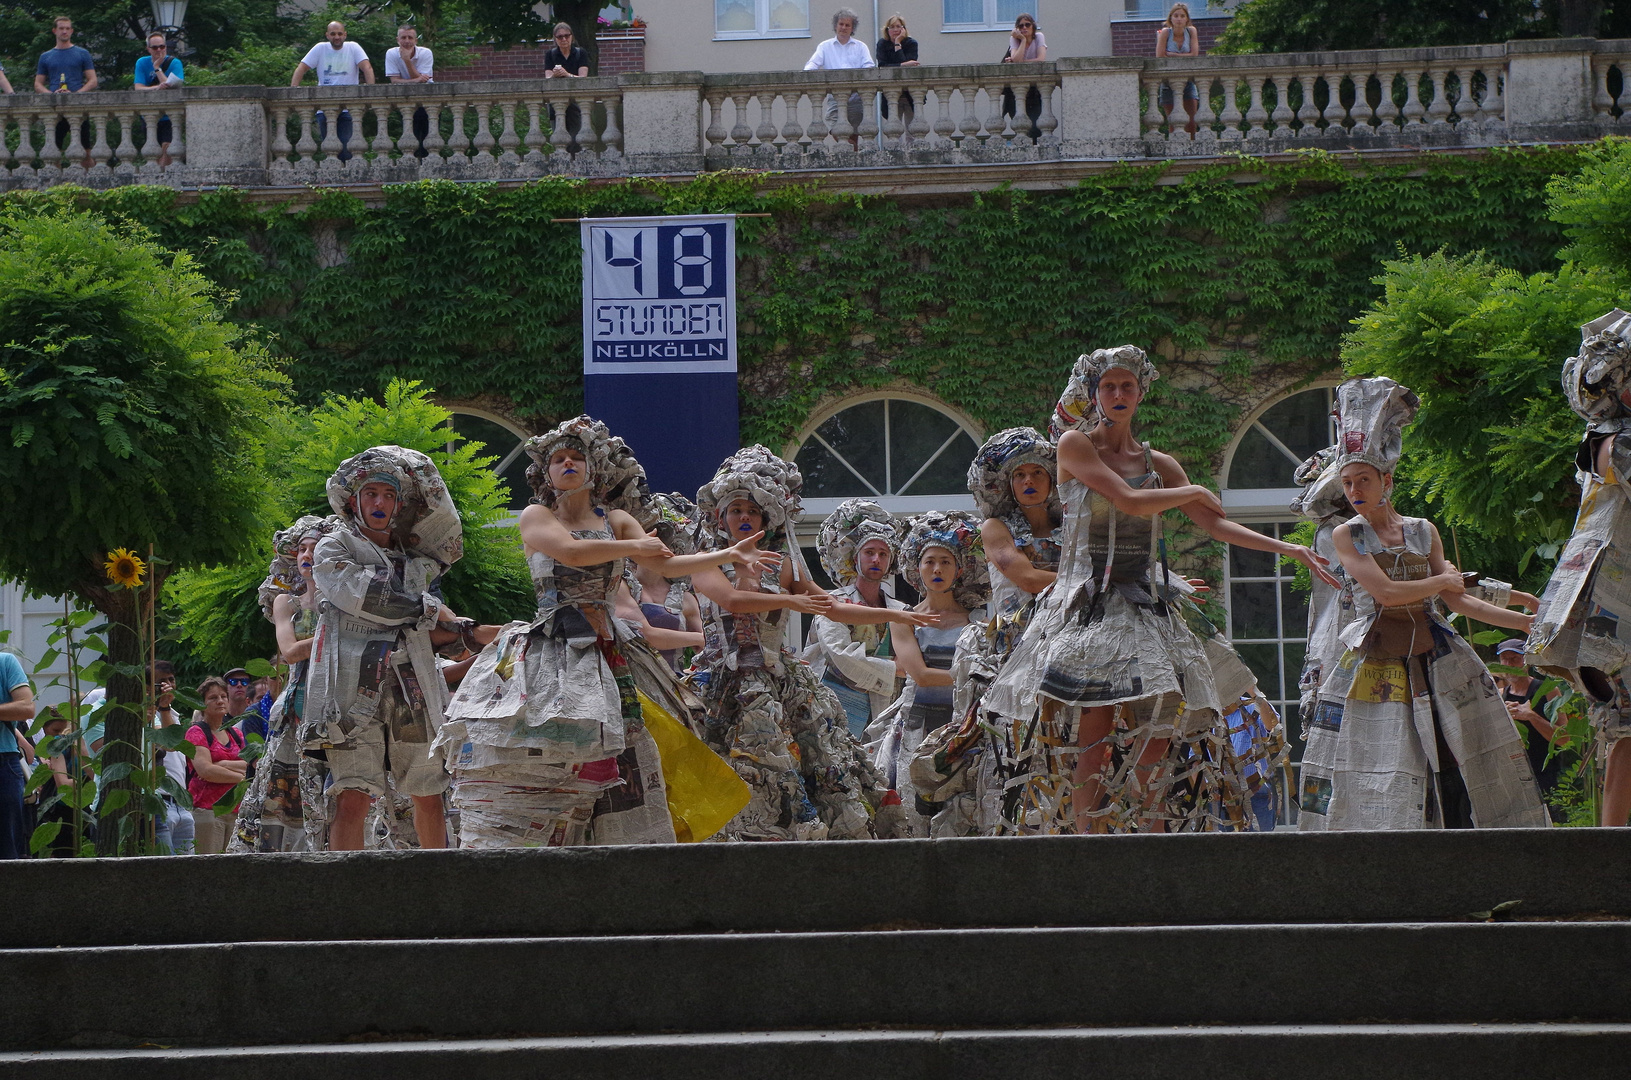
(704, 792)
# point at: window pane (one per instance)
(1258, 463)
(789, 14)
(497, 442)
(964, 11)
(734, 16)
(825, 476)
(1264, 660)
(857, 434)
(1251, 610)
(915, 433)
(1294, 610)
(1244, 562)
(1302, 421)
(948, 475)
(1009, 10)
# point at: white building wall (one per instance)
(28, 619)
(680, 34)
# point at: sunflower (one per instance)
(124, 569)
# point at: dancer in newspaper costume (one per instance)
(545, 733)
(375, 698)
(859, 545)
(783, 732)
(1580, 632)
(1013, 481)
(286, 806)
(942, 560)
(664, 612)
(1111, 696)
(1422, 738)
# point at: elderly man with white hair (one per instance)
(842, 51)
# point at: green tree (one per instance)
(131, 414)
(1594, 208)
(1275, 26)
(216, 610)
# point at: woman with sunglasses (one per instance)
(564, 60)
(1025, 45)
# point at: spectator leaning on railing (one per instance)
(66, 68)
(842, 51)
(1025, 45)
(338, 62)
(408, 63)
(158, 70)
(564, 60)
(1178, 37)
(897, 48)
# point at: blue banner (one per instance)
(659, 341)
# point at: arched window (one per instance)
(1268, 619)
(504, 441)
(907, 452)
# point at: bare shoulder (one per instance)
(1167, 467)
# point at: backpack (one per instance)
(234, 736)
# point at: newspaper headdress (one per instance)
(991, 473)
(426, 523)
(959, 533)
(673, 518)
(615, 477)
(1078, 406)
(283, 575)
(1597, 382)
(846, 531)
(1371, 417)
(753, 473)
(1321, 480)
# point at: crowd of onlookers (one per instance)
(235, 709)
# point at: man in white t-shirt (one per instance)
(338, 62)
(842, 50)
(408, 63)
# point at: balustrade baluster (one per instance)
(945, 132)
(1256, 115)
(893, 126)
(995, 120)
(331, 145)
(458, 143)
(1413, 110)
(178, 137)
(766, 132)
(150, 140)
(1494, 101)
(1153, 119)
(792, 132)
(1334, 114)
(560, 140)
(535, 140)
(1308, 113)
(1231, 116)
(715, 132)
(1282, 114)
(434, 143)
(27, 152)
(1438, 113)
(1466, 103)
(842, 129)
(867, 133)
(1602, 102)
(1047, 123)
(1387, 110)
(483, 140)
(611, 138)
(968, 124)
(741, 134)
(917, 132)
(382, 146)
(508, 141)
(7, 159)
(100, 150)
(352, 144)
(280, 137)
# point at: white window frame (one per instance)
(991, 23)
(761, 19)
(506, 459)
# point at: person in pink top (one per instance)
(217, 767)
(1025, 45)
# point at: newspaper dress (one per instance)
(1577, 632)
(1115, 639)
(783, 731)
(544, 735)
(1407, 689)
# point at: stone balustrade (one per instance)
(1096, 109)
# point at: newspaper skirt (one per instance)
(1378, 716)
(546, 746)
(285, 807)
(787, 736)
(1116, 650)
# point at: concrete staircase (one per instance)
(1336, 955)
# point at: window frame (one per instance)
(761, 19)
(505, 460)
(816, 509)
(991, 23)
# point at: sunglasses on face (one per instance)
(563, 37)
(238, 682)
(1027, 26)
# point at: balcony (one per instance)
(1045, 119)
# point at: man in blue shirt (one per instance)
(67, 69)
(16, 707)
(158, 70)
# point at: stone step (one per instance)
(1008, 882)
(323, 992)
(1331, 1052)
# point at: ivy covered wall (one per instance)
(1242, 277)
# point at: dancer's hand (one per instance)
(1200, 586)
(649, 547)
(1317, 565)
(1528, 601)
(916, 618)
(1451, 583)
(818, 604)
(746, 555)
(1206, 499)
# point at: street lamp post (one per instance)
(168, 15)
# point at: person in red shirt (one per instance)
(217, 767)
